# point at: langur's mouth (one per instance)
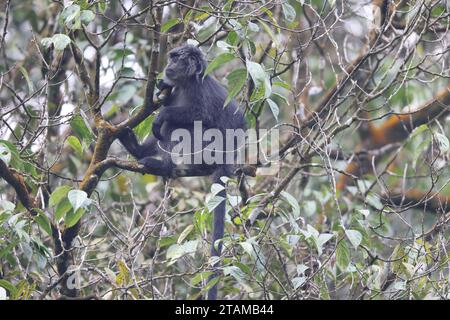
(170, 74)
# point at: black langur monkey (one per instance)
(193, 97)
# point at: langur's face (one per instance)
(185, 64)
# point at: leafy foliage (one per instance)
(357, 206)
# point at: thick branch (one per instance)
(434, 203)
(198, 171)
(397, 128)
(136, 167)
(82, 70)
(106, 135)
(16, 181)
(149, 104)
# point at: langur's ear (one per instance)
(191, 66)
(200, 68)
(196, 66)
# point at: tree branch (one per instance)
(15, 180)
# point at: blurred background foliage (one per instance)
(357, 210)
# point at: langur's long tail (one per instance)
(218, 232)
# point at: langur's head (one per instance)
(186, 63)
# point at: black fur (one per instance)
(193, 98)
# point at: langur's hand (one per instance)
(157, 124)
(126, 133)
(163, 84)
(163, 93)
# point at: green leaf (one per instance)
(252, 26)
(75, 144)
(60, 41)
(6, 205)
(342, 255)
(201, 16)
(70, 16)
(288, 11)
(218, 62)
(123, 277)
(3, 295)
(408, 269)
(82, 129)
(70, 12)
(398, 256)
(185, 233)
(16, 162)
(354, 236)
(87, 16)
(78, 199)
(213, 202)
(5, 153)
(293, 202)
(236, 80)
(123, 94)
(43, 221)
(274, 108)
(27, 78)
(235, 272)
(211, 284)
(269, 32)
(102, 6)
(309, 207)
(216, 188)
(176, 251)
(417, 151)
(443, 142)
(364, 212)
(117, 54)
(237, 27)
(310, 232)
(72, 217)
(169, 24)
(112, 111)
(208, 286)
(260, 78)
(199, 277)
(245, 268)
(223, 45)
(59, 194)
(6, 250)
(84, 4)
(143, 129)
(62, 208)
(324, 238)
(419, 130)
(282, 84)
(167, 241)
(248, 247)
(232, 39)
(298, 281)
(46, 42)
(8, 286)
(320, 240)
